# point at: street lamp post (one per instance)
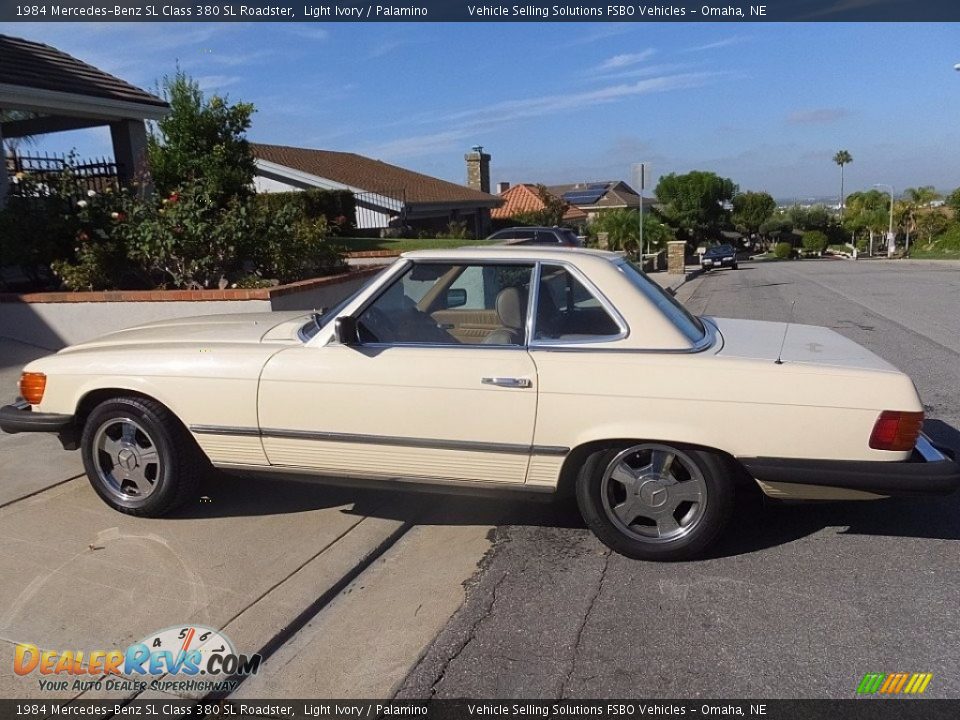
(891, 241)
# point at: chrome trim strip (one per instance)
(339, 478)
(224, 430)
(601, 298)
(708, 341)
(928, 451)
(426, 443)
(533, 302)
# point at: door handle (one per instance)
(509, 382)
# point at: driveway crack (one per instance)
(469, 635)
(583, 624)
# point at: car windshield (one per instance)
(690, 325)
(721, 250)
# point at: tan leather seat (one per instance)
(511, 307)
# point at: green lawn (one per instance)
(934, 255)
(404, 244)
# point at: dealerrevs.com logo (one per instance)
(188, 657)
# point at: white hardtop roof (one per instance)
(520, 252)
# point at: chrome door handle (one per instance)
(509, 382)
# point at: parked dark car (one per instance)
(719, 256)
(556, 236)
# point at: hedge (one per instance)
(336, 206)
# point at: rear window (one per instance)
(687, 323)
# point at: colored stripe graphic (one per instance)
(894, 683)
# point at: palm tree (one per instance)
(842, 158)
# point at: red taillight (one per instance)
(896, 430)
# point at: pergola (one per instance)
(54, 92)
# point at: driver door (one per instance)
(422, 395)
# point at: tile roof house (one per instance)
(45, 90)
(386, 195)
(594, 197)
(525, 198)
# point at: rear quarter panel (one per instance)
(746, 408)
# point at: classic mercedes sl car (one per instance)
(538, 369)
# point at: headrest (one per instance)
(512, 307)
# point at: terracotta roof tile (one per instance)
(371, 175)
(35, 65)
(518, 199)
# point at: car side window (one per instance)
(446, 304)
(567, 311)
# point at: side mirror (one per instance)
(345, 330)
(456, 297)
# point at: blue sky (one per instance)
(764, 104)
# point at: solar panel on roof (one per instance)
(582, 197)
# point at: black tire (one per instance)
(176, 472)
(717, 479)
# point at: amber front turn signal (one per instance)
(32, 386)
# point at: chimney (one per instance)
(502, 187)
(478, 169)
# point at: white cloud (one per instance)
(210, 83)
(472, 123)
(726, 42)
(623, 60)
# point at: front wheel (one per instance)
(654, 501)
(138, 457)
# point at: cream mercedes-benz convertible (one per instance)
(556, 370)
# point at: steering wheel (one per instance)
(379, 324)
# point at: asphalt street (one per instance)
(796, 600)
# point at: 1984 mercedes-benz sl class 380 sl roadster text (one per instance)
(556, 370)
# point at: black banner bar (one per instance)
(874, 708)
(477, 11)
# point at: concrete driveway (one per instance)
(267, 562)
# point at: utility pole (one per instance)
(640, 171)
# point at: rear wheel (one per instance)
(138, 457)
(655, 501)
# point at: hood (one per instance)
(809, 344)
(232, 328)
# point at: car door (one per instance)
(411, 400)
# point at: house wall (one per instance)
(366, 217)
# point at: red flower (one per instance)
(82, 236)
(174, 197)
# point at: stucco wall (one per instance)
(54, 325)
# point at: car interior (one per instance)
(444, 304)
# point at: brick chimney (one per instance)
(478, 169)
(502, 187)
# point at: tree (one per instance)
(622, 227)
(201, 140)
(867, 211)
(953, 202)
(815, 241)
(751, 210)
(549, 215)
(922, 196)
(694, 202)
(842, 158)
(814, 217)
